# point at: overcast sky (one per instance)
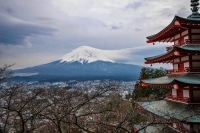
(34, 32)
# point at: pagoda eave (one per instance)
(168, 110)
(166, 36)
(187, 79)
(177, 25)
(177, 51)
(166, 58)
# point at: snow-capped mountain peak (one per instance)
(86, 54)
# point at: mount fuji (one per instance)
(86, 54)
(83, 63)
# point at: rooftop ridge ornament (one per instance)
(195, 14)
(194, 4)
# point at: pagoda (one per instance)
(180, 110)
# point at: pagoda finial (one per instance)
(195, 14)
(194, 5)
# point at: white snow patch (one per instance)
(86, 54)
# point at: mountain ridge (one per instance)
(65, 71)
(89, 54)
(82, 63)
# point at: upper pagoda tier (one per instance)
(176, 27)
(173, 53)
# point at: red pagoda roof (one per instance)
(192, 79)
(169, 110)
(177, 25)
(173, 53)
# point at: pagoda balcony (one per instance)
(192, 41)
(194, 69)
(186, 69)
(181, 99)
(171, 71)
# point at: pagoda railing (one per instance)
(196, 100)
(186, 69)
(192, 41)
(177, 98)
(193, 69)
(171, 71)
(187, 41)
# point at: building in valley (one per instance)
(180, 110)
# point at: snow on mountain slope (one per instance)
(136, 55)
(86, 54)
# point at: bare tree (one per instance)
(4, 73)
(20, 108)
(86, 108)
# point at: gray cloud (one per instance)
(54, 27)
(8, 10)
(167, 12)
(134, 5)
(114, 27)
(183, 12)
(12, 32)
(138, 29)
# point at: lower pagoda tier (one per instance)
(175, 52)
(184, 88)
(179, 117)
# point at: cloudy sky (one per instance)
(34, 32)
